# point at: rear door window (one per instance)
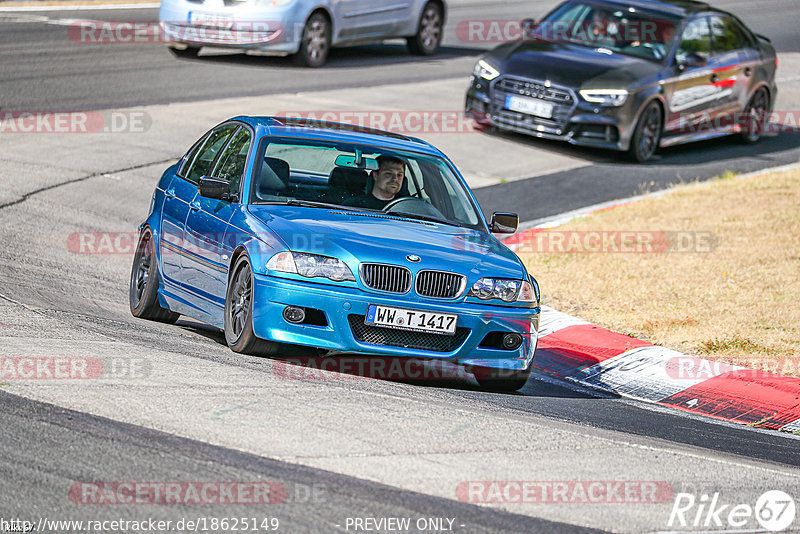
(204, 161)
(727, 35)
(695, 39)
(231, 164)
(189, 157)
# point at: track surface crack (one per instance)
(30, 194)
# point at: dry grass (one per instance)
(739, 303)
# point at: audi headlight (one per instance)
(311, 266)
(605, 97)
(485, 70)
(503, 289)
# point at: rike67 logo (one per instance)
(774, 511)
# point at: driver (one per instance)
(387, 181)
(600, 26)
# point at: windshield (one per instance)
(363, 178)
(610, 28)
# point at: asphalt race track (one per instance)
(333, 447)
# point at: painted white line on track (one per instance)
(22, 18)
(99, 7)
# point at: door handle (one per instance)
(194, 206)
(714, 78)
(169, 193)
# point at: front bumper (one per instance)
(574, 120)
(345, 307)
(244, 27)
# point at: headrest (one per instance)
(348, 178)
(273, 176)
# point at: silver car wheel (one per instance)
(431, 27)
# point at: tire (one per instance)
(315, 44)
(756, 114)
(239, 313)
(190, 52)
(429, 31)
(502, 380)
(647, 134)
(143, 293)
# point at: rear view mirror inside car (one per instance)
(344, 160)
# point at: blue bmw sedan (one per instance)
(340, 238)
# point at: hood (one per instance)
(357, 237)
(573, 65)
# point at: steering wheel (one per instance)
(656, 49)
(414, 206)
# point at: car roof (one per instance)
(333, 131)
(681, 8)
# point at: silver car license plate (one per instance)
(212, 20)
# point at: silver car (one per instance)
(306, 29)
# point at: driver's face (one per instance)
(598, 23)
(389, 178)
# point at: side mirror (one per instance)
(528, 25)
(214, 188)
(691, 61)
(504, 223)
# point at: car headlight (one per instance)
(485, 70)
(311, 266)
(503, 289)
(606, 97)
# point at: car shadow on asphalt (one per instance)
(695, 153)
(593, 155)
(347, 57)
(305, 363)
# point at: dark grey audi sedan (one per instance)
(632, 76)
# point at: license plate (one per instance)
(210, 19)
(414, 320)
(530, 106)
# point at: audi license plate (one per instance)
(530, 106)
(414, 320)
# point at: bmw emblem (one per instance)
(412, 258)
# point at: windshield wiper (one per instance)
(422, 217)
(312, 204)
